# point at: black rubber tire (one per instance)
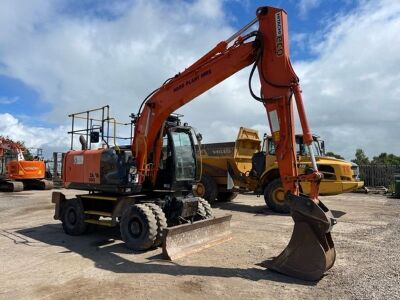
(73, 217)
(204, 210)
(210, 187)
(161, 222)
(270, 193)
(226, 196)
(138, 227)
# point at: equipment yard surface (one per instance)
(37, 260)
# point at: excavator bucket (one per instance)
(310, 252)
(186, 239)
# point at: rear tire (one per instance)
(210, 188)
(73, 217)
(274, 196)
(161, 222)
(226, 196)
(138, 227)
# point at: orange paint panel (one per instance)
(92, 166)
(82, 166)
(26, 169)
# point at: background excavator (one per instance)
(148, 186)
(16, 173)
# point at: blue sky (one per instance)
(59, 57)
(30, 106)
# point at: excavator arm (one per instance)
(310, 251)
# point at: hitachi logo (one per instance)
(279, 34)
(31, 168)
(278, 23)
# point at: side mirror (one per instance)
(323, 147)
(199, 137)
(94, 137)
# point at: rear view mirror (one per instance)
(199, 137)
(94, 137)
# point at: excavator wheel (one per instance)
(310, 252)
(138, 227)
(73, 217)
(274, 196)
(161, 222)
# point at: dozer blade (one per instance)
(310, 252)
(186, 239)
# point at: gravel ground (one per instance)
(38, 261)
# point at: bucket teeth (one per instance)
(310, 252)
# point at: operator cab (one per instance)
(178, 161)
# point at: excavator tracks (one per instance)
(11, 186)
(37, 184)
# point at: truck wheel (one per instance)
(204, 210)
(210, 188)
(226, 196)
(161, 222)
(73, 217)
(274, 196)
(138, 227)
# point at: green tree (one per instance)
(361, 158)
(386, 159)
(330, 153)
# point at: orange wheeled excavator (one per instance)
(146, 187)
(16, 173)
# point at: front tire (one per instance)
(138, 227)
(73, 217)
(274, 196)
(161, 222)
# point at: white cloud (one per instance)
(306, 5)
(51, 139)
(8, 100)
(77, 63)
(351, 89)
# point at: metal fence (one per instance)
(378, 175)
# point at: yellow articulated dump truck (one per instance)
(249, 164)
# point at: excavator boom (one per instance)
(310, 251)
